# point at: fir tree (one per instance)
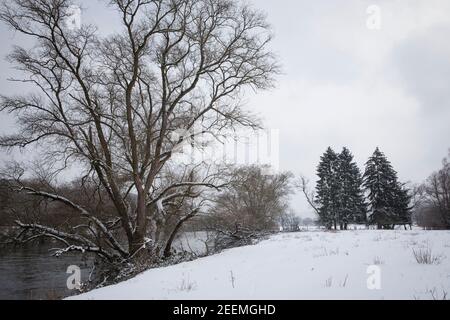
(352, 206)
(327, 189)
(388, 200)
(402, 206)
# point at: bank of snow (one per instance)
(306, 265)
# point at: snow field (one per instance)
(304, 265)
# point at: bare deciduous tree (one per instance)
(290, 221)
(433, 207)
(252, 204)
(303, 185)
(116, 105)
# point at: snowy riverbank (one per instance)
(304, 265)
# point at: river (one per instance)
(31, 273)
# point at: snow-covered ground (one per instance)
(304, 265)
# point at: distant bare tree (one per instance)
(303, 184)
(309, 222)
(433, 209)
(290, 221)
(120, 106)
(252, 203)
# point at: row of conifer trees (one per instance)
(345, 196)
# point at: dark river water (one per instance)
(31, 273)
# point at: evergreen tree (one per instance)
(352, 206)
(402, 206)
(327, 189)
(387, 198)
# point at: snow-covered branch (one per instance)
(83, 242)
(114, 242)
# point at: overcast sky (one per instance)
(343, 84)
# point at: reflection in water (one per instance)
(30, 273)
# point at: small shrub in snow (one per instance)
(426, 256)
(377, 261)
(329, 282)
(436, 296)
(413, 243)
(325, 252)
(378, 238)
(232, 279)
(187, 285)
(334, 252)
(344, 283)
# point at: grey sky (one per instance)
(344, 84)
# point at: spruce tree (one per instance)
(327, 189)
(351, 202)
(402, 206)
(388, 200)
